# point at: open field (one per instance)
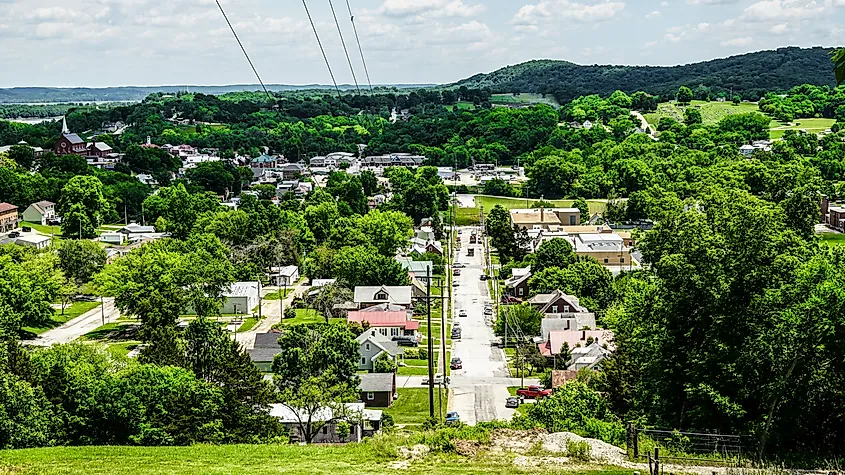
(488, 202)
(368, 458)
(71, 311)
(523, 98)
(810, 125)
(711, 112)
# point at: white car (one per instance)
(462, 313)
(438, 379)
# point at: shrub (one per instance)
(579, 450)
(290, 312)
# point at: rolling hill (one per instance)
(749, 75)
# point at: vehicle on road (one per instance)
(485, 277)
(14, 234)
(452, 418)
(462, 313)
(26, 229)
(488, 310)
(512, 402)
(405, 341)
(458, 265)
(456, 333)
(456, 363)
(533, 392)
(456, 272)
(455, 283)
(438, 379)
(470, 252)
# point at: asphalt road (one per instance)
(73, 329)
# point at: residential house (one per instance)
(758, 145)
(369, 296)
(556, 302)
(588, 124)
(146, 179)
(388, 323)
(517, 284)
(33, 240)
(259, 164)
(8, 217)
(99, 150)
(377, 389)
(113, 238)
(240, 299)
(291, 171)
(575, 339)
(394, 159)
(545, 218)
(40, 212)
(416, 269)
(135, 228)
(363, 422)
(37, 151)
(372, 344)
(266, 348)
(284, 276)
(425, 232)
(588, 357)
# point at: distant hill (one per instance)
(749, 75)
(136, 93)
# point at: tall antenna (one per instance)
(342, 42)
(320, 43)
(358, 40)
(244, 50)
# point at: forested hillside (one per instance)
(749, 75)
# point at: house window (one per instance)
(394, 332)
(370, 396)
(622, 260)
(363, 361)
(325, 430)
(368, 347)
(554, 308)
(566, 309)
(383, 331)
(605, 261)
(572, 220)
(521, 291)
(381, 296)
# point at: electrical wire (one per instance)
(342, 42)
(358, 40)
(337, 89)
(226, 17)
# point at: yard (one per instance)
(308, 315)
(488, 202)
(810, 125)
(834, 239)
(412, 406)
(71, 311)
(281, 293)
(248, 324)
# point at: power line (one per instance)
(244, 50)
(320, 43)
(358, 40)
(342, 42)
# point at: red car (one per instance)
(533, 392)
(510, 299)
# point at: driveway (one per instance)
(479, 390)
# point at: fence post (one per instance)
(633, 451)
(657, 461)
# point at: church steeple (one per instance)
(65, 130)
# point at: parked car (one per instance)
(456, 363)
(456, 334)
(533, 392)
(26, 229)
(488, 310)
(470, 252)
(438, 379)
(485, 277)
(452, 418)
(14, 234)
(462, 313)
(512, 402)
(458, 265)
(455, 283)
(54, 221)
(456, 272)
(405, 341)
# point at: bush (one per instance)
(423, 353)
(290, 312)
(387, 422)
(578, 450)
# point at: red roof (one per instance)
(412, 325)
(7, 207)
(382, 319)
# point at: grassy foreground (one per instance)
(352, 459)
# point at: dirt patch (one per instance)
(519, 441)
(416, 452)
(599, 451)
(467, 448)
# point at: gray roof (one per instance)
(417, 267)
(382, 341)
(73, 138)
(267, 340)
(262, 355)
(376, 382)
(102, 146)
(395, 294)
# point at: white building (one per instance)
(33, 240)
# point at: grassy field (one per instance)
(834, 239)
(711, 112)
(248, 324)
(462, 106)
(281, 293)
(523, 98)
(71, 311)
(368, 458)
(810, 125)
(307, 315)
(488, 202)
(412, 405)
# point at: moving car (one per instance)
(14, 234)
(533, 392)
(456, 272)
(512, 402)
(488, 310)
(456, 364)
(452, 418)
(462, 313)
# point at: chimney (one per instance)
(542, 213)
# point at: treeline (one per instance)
(749, 75)
(806, 101)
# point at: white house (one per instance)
(369, 296)
(284, 276)
(33, 240)
(363, 422)
(372, 344)
(112, 238)
(40, 212)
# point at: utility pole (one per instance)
(430, 345)
(259, 299)
(282, 296)
(102, 310)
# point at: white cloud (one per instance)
(434, 8)
(778, 10)
(674, 38)
(529, 16)
(712, 2)
(744, 41)
(779, 29)
(702, 27)
(654, 14)
(650, 44)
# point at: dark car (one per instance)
(452, 418)
(26, 229)
(485, 277)
(456, 364)
(14, 234)
(405, 341)
(512, 402)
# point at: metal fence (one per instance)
(678, 445)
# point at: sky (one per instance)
(99, 43)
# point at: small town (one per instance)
(383, 236)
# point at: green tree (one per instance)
(684, 95)
(522, 318)
(364, 265)
(556, 252)
(692, 116)
(838, 57)
(175, 210)
(28, 287)
(328, 296)
(369, 182)
(311, 351)
(584, 207)
(265, 192)
(23, 156)
(212, 176)
(388, 231)
(25, 416)
(82, 207)
(80, 260)
(321, 219)
(384, 364)
(500, 231)
(552, 176)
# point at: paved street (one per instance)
(79, 326)
(271, 311)
(479, 390)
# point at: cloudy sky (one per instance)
(156, 42)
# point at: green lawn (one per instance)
(122, 348)
(114, 331)
(368, 458)
(281, 293)
(711, 112)
(307, 315)
(56, 231)
(71, 311)
(834, 239)
(412, 405)
(810, 125)
(488, 202)
(463, 105)
(523, 98)
(248, 324)
(413, 370)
